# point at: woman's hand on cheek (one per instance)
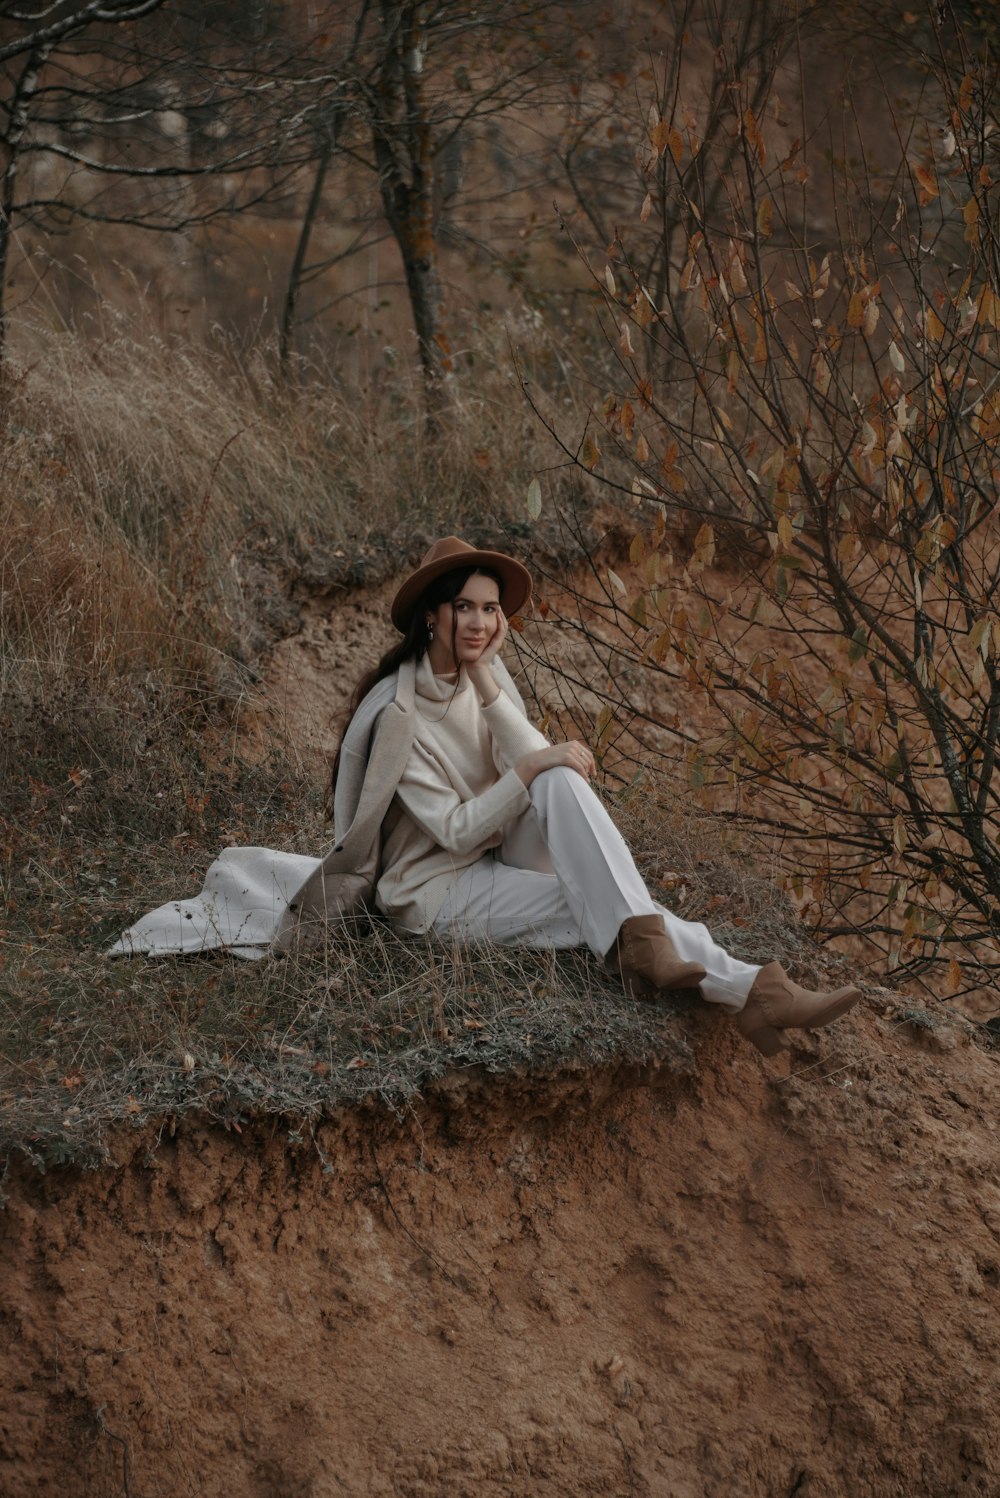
(493, 647)
(479, 672)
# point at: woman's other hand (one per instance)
(574, 755)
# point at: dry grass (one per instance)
(88, 1044)
(92, 1044)
(159, 501)
(156, 507)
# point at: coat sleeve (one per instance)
(460, 826)
(512, 735)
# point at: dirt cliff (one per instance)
(749, 1278)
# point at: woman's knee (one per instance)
(555, 781)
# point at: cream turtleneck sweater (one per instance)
(456, 795)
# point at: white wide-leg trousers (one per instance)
(564, 877)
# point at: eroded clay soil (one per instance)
(762, 1278)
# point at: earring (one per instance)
(430, 630)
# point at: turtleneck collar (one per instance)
(437, 689)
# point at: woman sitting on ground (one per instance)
(493, 833)
(457, 819)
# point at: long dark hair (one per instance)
(413, 646)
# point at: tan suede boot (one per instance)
(648, 961)
(776, 1004)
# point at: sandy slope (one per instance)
(748, 1278)
(757, 1278)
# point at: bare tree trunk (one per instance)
(410, 211)
(403, 140)
(326, 155)
(301, 251)
(17, 124)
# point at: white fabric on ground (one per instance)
(246, 893)
(564, 877)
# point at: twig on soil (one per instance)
(392, 1208)
(123, 1443)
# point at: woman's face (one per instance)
(476, 616)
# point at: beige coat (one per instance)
(260, 900)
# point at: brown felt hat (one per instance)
(448, 555)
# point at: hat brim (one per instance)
(515, 582)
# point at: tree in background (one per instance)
(829, 434)
(697, 53)
(414, 77)
(169, 119)
(28, 39)
(156, 118)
